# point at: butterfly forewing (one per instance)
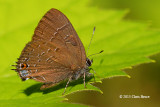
(55, 27)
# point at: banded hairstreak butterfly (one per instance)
(54, 54)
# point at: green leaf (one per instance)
(125, 44)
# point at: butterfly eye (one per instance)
(23, 66)
(88, 62)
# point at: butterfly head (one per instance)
(89, 62)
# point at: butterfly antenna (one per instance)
(96, 53)
(91, 38)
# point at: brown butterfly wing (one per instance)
(55, 27)
(55, 51)
(41, 64)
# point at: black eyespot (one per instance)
(23, 66)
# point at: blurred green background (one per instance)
(144, 78)
(139, 10)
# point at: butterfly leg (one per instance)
(84, 80)
(67, 85)
(93, 73)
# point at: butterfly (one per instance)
(54, 54)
